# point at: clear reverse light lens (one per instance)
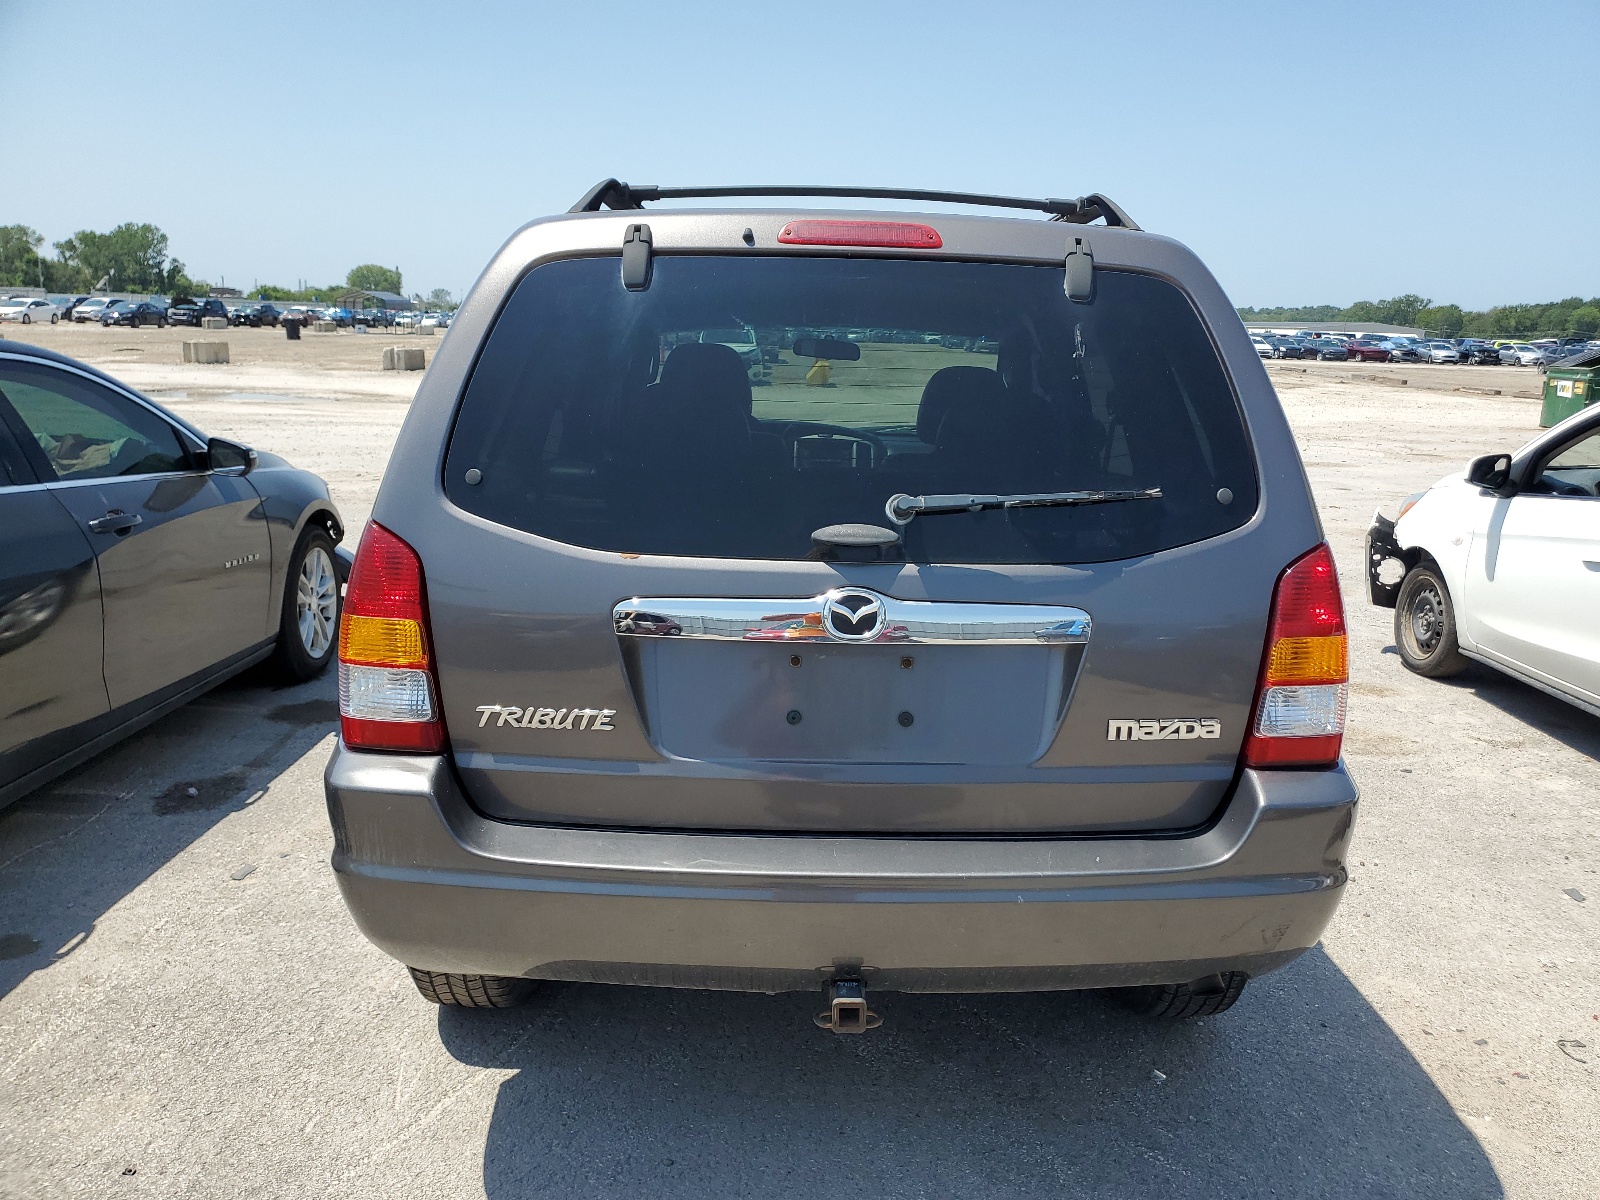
(384, 694)
(1302, 711)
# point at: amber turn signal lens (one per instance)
(382, 641)
(1308, 660)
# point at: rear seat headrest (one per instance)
(709, 377)
(949, 385)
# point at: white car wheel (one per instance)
(1425, 625)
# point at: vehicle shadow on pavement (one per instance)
(1566, 723)
(1302, 1090)
(72, 849)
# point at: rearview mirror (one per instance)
(1492, 471)
(223, 455)
(837, 350)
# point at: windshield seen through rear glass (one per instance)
(740, 403)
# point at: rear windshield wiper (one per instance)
(902, 508)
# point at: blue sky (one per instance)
(1324, 153)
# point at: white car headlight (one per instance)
(1409, 503)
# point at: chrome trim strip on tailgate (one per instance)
(852, 615)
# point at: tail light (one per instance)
(1300, 701)
(388, 697)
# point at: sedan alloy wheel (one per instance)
(316, 602)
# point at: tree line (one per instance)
(135, 258)
(130, 258)
(1573, 317)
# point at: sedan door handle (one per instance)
(115, 521)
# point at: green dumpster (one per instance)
(1570, 385)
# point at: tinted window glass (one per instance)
(87, 431)
(14, 469)
(738, 404)
(1575, 471)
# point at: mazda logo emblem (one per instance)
(853, 615)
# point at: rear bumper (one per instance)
(436, 885)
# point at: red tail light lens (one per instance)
(388, 696)
(1300, 700)
(898, 234)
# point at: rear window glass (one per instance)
(740, 403)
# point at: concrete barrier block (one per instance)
(325, 326)
(205, 352)
(404, 358)
(213, 323)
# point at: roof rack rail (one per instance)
(610, 193)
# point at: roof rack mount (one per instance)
(625, 197)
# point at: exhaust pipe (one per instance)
(847, 1010)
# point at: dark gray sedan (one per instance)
(141, 564)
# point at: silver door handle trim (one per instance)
(115, 522)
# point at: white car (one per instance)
(1502, 565)
(1262, 346)
(90, 309)
(29, 310)
(1521, 355)
(1440, 352)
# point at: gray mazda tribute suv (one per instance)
(984, 639)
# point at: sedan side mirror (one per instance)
(223, 455)
(1492, 471)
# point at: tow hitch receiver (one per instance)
(847, 1010)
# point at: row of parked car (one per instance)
(1503, 352)
(185, 310)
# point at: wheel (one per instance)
(472, 991)
(161, 322)
(26, 319)
(308, 632)
(1425, 625)
(54, 317)
(1184, 1001)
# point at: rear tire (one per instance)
(308, 632)
(472, 991)
(1425, 625)
(1185, 1001)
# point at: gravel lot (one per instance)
(186, 1009)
